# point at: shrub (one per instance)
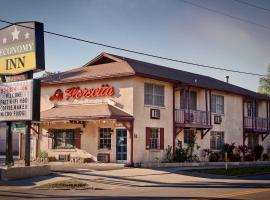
(168, 154)
(258, 150)
(214, 157)
(243, 149)
(228, 148)
(42, 155)
(265, 157)
(249, 157)
(235, 157)
(52, 159)
(181, 154)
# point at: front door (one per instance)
(121, 145)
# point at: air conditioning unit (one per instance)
(154, 113)
(217, 119)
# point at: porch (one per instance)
(87, 133)
(187, 118)
(256, 124)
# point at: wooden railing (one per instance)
(256, 124)
(195, 117)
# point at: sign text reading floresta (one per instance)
(79, 93)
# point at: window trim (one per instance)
(212, 103)
(190, 131)
(153, 95)
(222, 134)
(55, 131)
(99, 138)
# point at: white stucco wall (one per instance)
(143, 120)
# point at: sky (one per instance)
(171, 28)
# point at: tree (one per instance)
(265, 83)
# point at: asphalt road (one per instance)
(147, 184)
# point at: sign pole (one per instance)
(27, 143)
(9, 149)
(21, 55)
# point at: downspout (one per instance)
(132, 141)
(174, 131)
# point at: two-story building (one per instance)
(118, 109)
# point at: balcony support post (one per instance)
(206, 105)
(174, 113)
(210, 107)
(243, 114)
(204, 132)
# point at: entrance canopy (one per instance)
(84, 113)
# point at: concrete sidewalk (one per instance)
(138, 177)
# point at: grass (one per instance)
(66, 185)
(239, 171)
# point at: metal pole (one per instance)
(9, 149)
(27, 143)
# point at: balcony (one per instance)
(187, 118)
(256, 124)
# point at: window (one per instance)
(251, 109)
(154, 138)
(216, 140)
(192, 99)
(217, 104)
(153, 94)
(105, 138)
(189, 136)
(64, 138)
(253, 140)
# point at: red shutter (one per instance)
(147, 138)
(78, 138)
(162, 138)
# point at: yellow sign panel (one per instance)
(21, 48)
(18, 64)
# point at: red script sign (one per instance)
(78, 93)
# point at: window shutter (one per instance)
(147, 138)
(162, 138)
(78, 138)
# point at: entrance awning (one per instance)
(84, 113)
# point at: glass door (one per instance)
(121, 145)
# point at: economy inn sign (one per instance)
(22, 48)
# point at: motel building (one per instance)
(121, 110)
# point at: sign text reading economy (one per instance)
(21, 47)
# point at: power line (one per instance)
(140, 53)
(227, 15)
(252, 5)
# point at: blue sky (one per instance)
(169, 28)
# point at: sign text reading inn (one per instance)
(21, 48)
(16, 101)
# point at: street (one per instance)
(143, 184)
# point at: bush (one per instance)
(249, 157)
(228, 148)
(214, 157)
(235, 157)
(52, 159)
(181, 154)
(168, 154)
(43, 155)
(265, 157)
(258, 150)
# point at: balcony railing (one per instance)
(258, 124)
(194, 117)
